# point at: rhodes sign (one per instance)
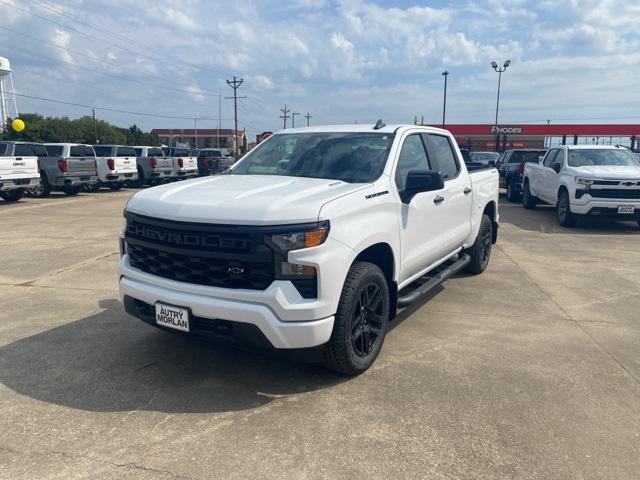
(506, 130)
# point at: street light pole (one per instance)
(445, 74)
(501, 69)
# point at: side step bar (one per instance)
(437, 279)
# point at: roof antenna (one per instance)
(379, 124)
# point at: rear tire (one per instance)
(13, 195)
(115, 186)
(42, 190)
(563, 210)
(480, 252)
(528, 201)
(512, 194)
(71, 190)
(361, 321)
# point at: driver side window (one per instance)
(548, 160)
(558, 161)
(413, 156)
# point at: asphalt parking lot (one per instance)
(531, 370)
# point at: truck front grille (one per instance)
(225, 256)
(632, 194)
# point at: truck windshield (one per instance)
(602, 156)
(350, 157)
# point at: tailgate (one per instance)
(18, 167)
(126, 164)
(81, 166)
(188, 163)
(164, 163)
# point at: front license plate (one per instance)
(626, 209)
(172, 317)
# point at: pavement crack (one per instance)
(126, 465)
(30, 283)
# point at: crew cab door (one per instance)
(547, 184)
(432, 223)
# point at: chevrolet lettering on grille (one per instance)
(183, 239)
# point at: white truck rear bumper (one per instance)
(15, 183)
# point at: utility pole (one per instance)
(499, 71)
(284, 115)
(445, 74)
(195, 130)
(293, 119)
(95, 126)
(219, 123)
(308, 117)
(235, 84)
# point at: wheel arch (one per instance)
(491, 211)
(381, 254)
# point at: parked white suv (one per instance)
(585, 180)
(310, 240)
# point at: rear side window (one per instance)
(138, 152)
(413, 156)
(23, 150)
(103, 151)
(548, 160)
(155, 152)
(39, 150)
(54, 150)
(125, 152)
(441, 156)
(80, 151)
(516, 157)
(3, 149)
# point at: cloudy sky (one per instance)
(342, 61)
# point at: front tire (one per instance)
(563, 210)
(528, 201)
(361, 321)
(13, 195)
(71, 190)
(480, 252)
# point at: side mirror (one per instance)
(419, 181)
(556, 167)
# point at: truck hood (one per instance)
(612, 172)
(241, 199)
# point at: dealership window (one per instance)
(441, 156)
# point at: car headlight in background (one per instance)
(587, 182)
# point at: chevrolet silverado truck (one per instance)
(116, 165)
(184, 166)
(313, 240)
(18, 169)
(153, 166)
(68, 167)
(582, 180)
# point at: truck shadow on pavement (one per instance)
(543, 219)
(112, 362)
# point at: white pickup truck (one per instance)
(116, 165)
(585, 180)
(18, 169)
(184, 165)
(312, 240)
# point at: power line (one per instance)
(106, 109)
(284, 115)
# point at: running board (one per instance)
(437, 279)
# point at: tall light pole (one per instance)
(445, 74)
(501, 69)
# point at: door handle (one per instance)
(438, 199)
(467, 190)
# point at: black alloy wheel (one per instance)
(367, 320)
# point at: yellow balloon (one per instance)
(17, 125)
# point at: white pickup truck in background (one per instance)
(18, 170)
(116, 165)
(585, 180)
(312, 240)
(184, 165)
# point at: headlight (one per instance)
(286, 242)
(584, 181)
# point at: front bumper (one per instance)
(608, 207)
(15, 184)
(207, 311)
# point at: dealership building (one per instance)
(485, 136)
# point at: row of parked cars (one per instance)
(578, 180)
(37, 169)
